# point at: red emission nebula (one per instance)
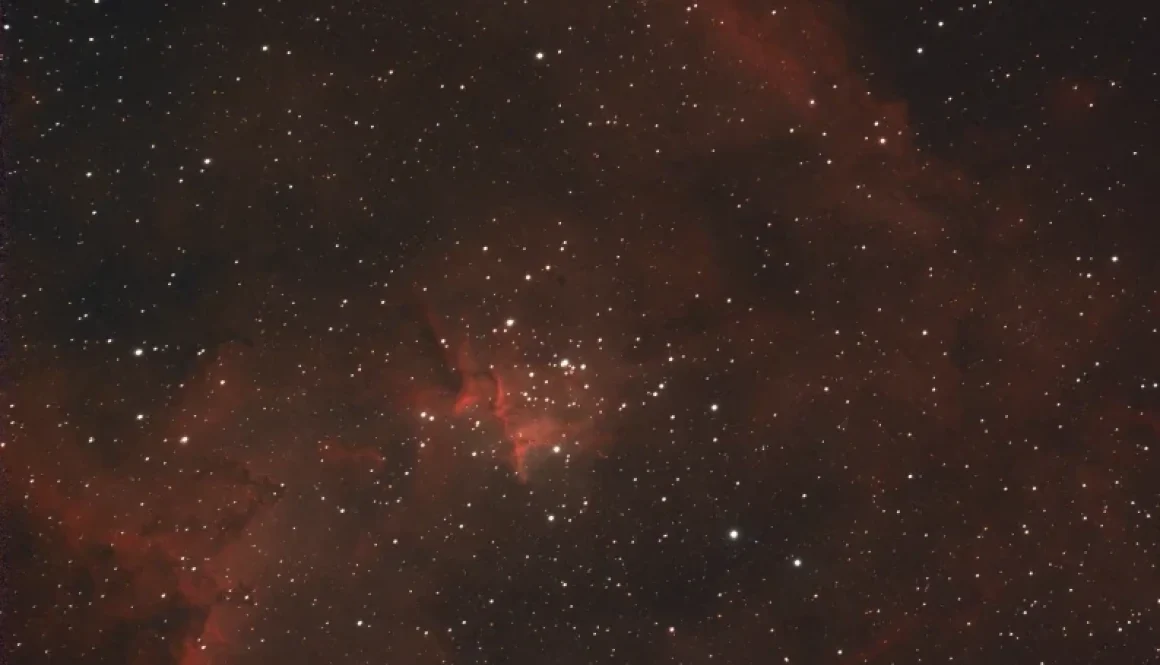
(553, 412)
(552, 333)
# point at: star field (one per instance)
(580, 333)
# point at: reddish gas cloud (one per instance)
(537, 409)
(616, 291)
(525, 381)
(144, 535)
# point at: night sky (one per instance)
(537, 332)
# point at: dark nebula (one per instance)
(554, 333)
